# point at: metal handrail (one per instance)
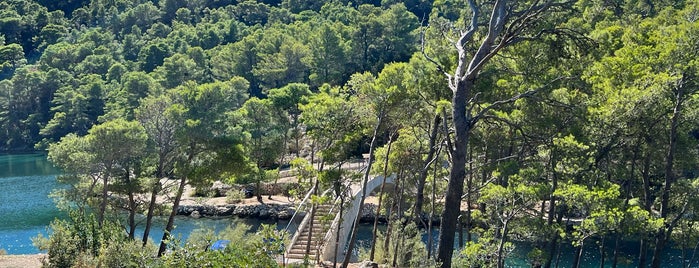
(298, 208)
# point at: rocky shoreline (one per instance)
(260, 211)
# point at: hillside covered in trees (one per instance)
(552, 122)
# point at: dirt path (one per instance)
(21, 261)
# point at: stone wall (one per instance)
(261, 211)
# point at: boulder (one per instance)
(195, 214)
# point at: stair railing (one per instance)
(307, 218)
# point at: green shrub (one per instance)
(234, 196)
(78, 241)
(124, 254)
(411, 251)
(245, 250)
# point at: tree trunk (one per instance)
(103, 202)
(430, 242)
(151, 209)
(552, 210)
(501, 245)
(353, 237)
(132, 216)
(337, 233)
(378, 207)
(664, 232)
(469, 198)
(105, 195)
(578, 255)
(648, 201)
(389, 230)
(400, 221)
(420, 198)
(617, 245)
(601, 252)
(643, 252)
(171, 219)
(455, 187)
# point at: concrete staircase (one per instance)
(300, 242)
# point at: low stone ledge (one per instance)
(261, 211)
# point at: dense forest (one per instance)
(552, 122)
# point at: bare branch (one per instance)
(465, 37)
(495, 27)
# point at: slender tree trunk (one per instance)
(337, 234)
(664, 232)
(430, 241)
(552, 210)
(381, 192)
(455, 187)
(297, 133)
(643, 252)
(420, 198)
(400, 221)
(163, 152)
(602, 252)
(131, 205)
(103, 202)
(648, 201)
(355, 225)
(171, 219)
(578, 255)
(151, 209)
(105, 196)
(617, 245)
(501, 245)
(389, 230)
(469, 198)
(132, 216)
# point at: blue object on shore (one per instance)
(220, 244)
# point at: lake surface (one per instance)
(26, 210)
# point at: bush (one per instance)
(79, 241)
(234, 196)
(411, 250)
(123, 254)
(245, 250)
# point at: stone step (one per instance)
(300, 256)
(315, 231)
(302, 251)
(303, 244)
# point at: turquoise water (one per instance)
(25, 209)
